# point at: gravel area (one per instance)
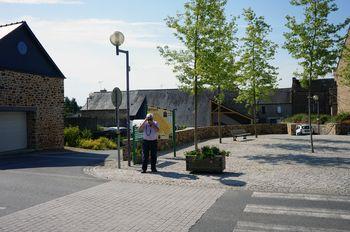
(269, 163)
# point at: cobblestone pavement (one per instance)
(116, 206)
(270, 163)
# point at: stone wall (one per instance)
(186, 136)
(45, 94)
(325, 129)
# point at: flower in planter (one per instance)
(207, 152)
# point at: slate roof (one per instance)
(8, 28)
(230, 102)
(102, 101)
(36, 61)
(163, 98)
(278, 96)
(319, 85)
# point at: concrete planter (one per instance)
(214, 165)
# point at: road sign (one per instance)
(116, 97)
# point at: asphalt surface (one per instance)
(242, 211)
(31, 179)
(223, 215)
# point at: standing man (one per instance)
(150, 130)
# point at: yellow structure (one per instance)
(164, 119)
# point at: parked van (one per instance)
(303, 129)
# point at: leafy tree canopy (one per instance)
(70, 106)
(314, 42)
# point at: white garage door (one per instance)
(13, 131)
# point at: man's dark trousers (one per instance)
(147, 147)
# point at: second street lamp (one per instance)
(316, 99)
(117, 39)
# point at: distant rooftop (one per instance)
(8, 28)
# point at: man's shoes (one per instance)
(143, 171)
(154, 170)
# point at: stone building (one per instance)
(276, 107)
(343, 91)
(99, 105)
(325, 89)
(31, 92)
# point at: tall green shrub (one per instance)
(71, 136)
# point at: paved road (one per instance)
(28, 180)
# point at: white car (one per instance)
(303, 129)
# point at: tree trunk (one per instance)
(195, 114)
(254, 94)
(309, 106)
(195, 136)
(254, 117)
(310, 79)
(219, 117)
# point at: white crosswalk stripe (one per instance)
(243, 226)
(298, 211)
(296, 196)
(273, 208)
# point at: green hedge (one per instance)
(101, 143)
(73, 137)
(324, 118)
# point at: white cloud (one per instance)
(42, 1)
(82, 51)
(97, 31)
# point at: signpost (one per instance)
(117, 101)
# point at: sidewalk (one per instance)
(116, 206)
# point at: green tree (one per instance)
(70, 106)
(314, 42)
(206, 40)
(220, 69)
(344, 68)
(257, 77)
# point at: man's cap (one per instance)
(149, 116)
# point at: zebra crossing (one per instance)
(282, 212)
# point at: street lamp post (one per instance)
(117, 39)
(316, 99)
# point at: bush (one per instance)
(207, 152)
(297, 118)
(341, 117)
(71, 136)
(86, 134)
(101, 143)
(304, 118)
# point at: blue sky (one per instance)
(76, 35)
